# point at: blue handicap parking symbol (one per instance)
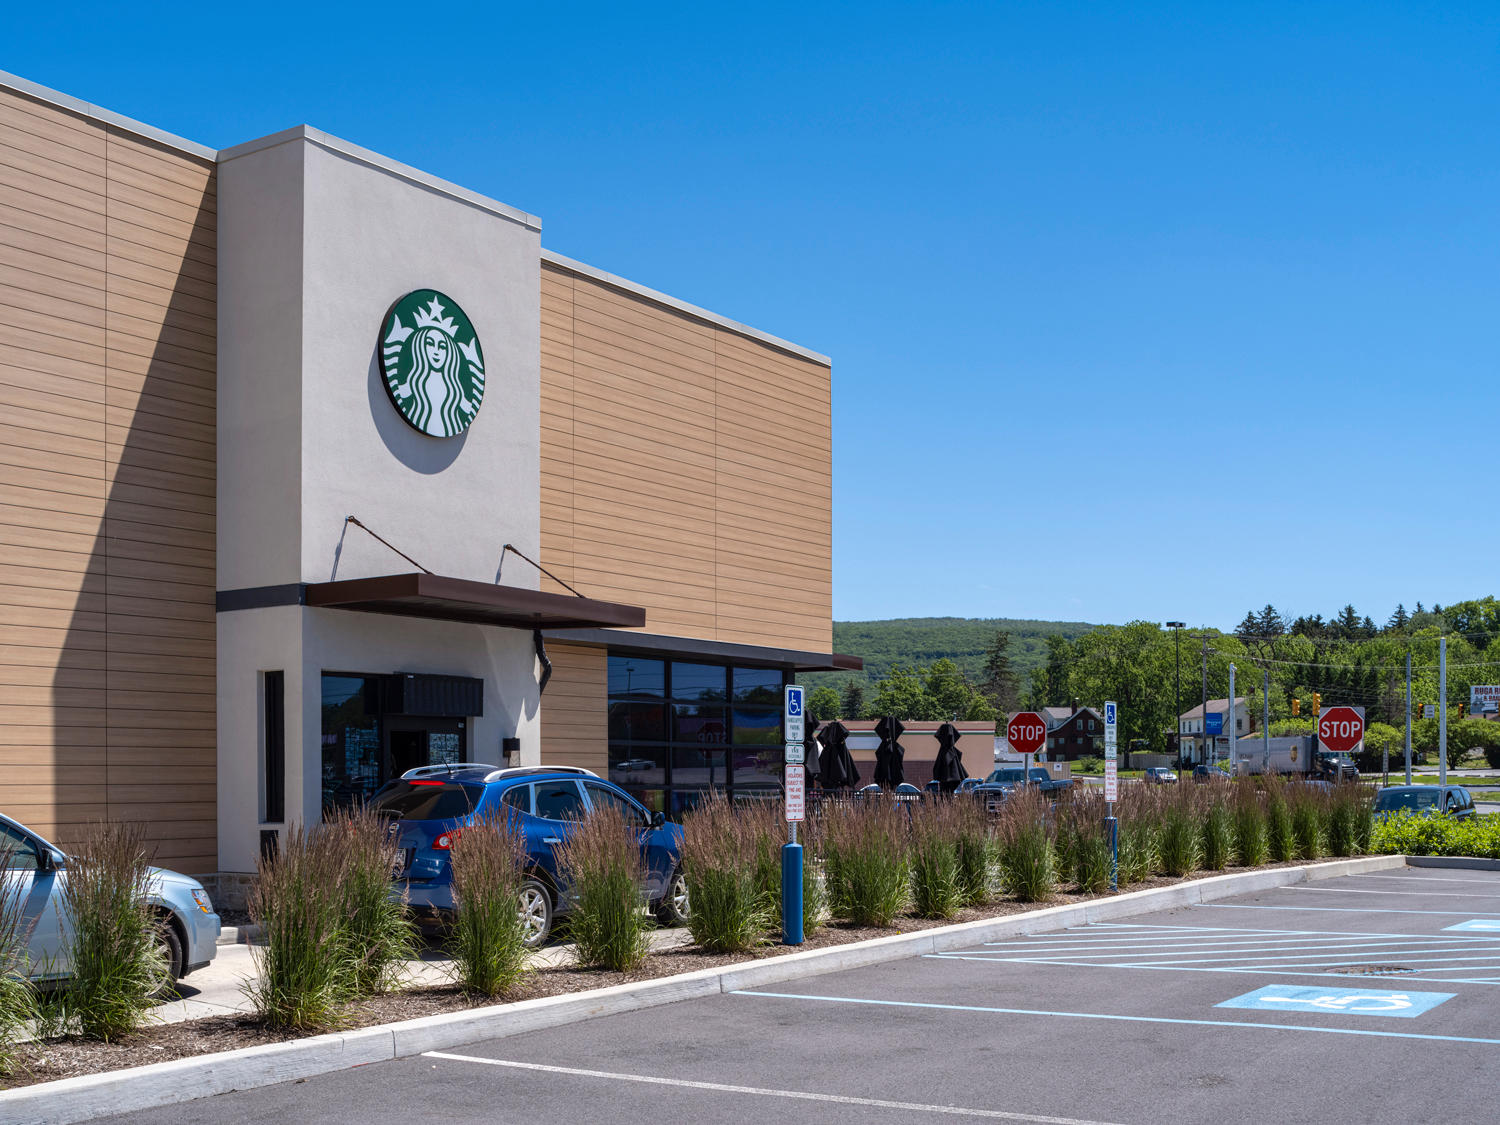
(1341, 1001)
(1478, 925)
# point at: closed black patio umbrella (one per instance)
(810, 754)
(948, 768)
(836, 769)
(889, 770)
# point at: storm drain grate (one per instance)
(1370, 970)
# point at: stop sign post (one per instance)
(1026, 732)
(1341, 729)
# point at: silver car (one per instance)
(35, 873)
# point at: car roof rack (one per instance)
(447, 769)
(525, 771)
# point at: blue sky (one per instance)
(1142, 311)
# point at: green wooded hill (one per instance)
(921, 640)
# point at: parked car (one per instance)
(1423, 800)
(1203, 773)
(1038, 778)
(430, 806)
(993, 793)
(36, 871)
(1160, 775)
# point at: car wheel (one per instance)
(534, 909)
(673, 909)
(171, 955)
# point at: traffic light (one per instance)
(1296, 707)
(1461, 707)
(1317, 703)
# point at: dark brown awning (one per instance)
(460, 599)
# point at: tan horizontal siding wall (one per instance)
(685, 468)
(107, 482)
(575, 722)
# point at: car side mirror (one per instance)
(48, 859)
(658, 819)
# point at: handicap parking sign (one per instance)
(1338, 1001)
(1477, 925)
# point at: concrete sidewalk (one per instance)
(219, 989)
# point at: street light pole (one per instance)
(1177, 627)
(1203, 742)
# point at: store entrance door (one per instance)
(412, 741)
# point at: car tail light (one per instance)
(424, 783)
(446, 840)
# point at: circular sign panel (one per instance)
(432, 363)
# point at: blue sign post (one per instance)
(791, 852)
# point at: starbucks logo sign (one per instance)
(433, 366)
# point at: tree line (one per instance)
(1344, 659)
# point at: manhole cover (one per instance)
(1371, 970)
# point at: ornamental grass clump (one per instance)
(1027, 859)
(769, 829)
(935, 886)
(1091, 860)
(118, 964)
(866, 862)
(1281, 839)
(725, 863)
(1179, 842)
(602, 863)
(17, 997)
(974, 850)
(1307, 820)
(1139, 815)
(1250, 842)
(488, 938)
(1346, 817)
(1218, 832)
(303, 972)
(378, 936)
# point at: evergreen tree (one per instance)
(854, 701)
(1400, 619)
(1250, 627)
(1346, 625)
(1419, 609)
(1269, 623)
(1367, 627)
(999, 681)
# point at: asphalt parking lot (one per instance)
(1365, 998)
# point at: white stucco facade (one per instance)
(317, 240)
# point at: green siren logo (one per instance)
(433, 367)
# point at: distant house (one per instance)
(1073, 733)
(1197, 745)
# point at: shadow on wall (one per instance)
(134, 692)
(418, 452)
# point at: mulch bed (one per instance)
(72, 1057)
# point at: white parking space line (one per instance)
(1423, 880)
(1222, 949)
(1338, 909)
(1374, 891)
(764, 1092)
(1114, 1018)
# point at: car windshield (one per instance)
(425, 800)
(1406, 799)
(1007, 775)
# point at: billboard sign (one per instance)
(1484, 699)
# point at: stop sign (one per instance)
(1026, 732)
(1340, 729)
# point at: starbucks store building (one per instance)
(316, 468)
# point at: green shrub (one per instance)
(303, 971)
(728, 868)
(1250, 836)
(488, 938)
(602, 865)
(1028, 862)
(17, 997)
(866, 862)
(1179, 841)
(118, 964)
(378, 936)
(936, 892)
(1217, 827)
(1405, 833)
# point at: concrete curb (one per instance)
(1471, 863)
(97, 1095)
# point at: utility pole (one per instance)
(1232, 720)
(1442, 716)
(1203, 741)
(1408, 718)
(1265, 729)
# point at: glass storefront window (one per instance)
(695, 741)
(708, 683)
(351, 740)
(637, 677)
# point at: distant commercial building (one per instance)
(1206, 741)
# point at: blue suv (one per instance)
(428, 805)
